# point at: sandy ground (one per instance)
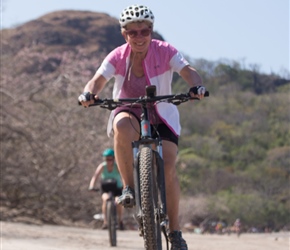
(17, 236)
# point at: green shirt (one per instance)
(112, 175)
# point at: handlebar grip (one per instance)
(206, 94)
(195, 89)
(96, 102)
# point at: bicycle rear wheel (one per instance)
(112, 220)
(149, 200)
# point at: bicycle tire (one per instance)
(112, 219)
(151, 226)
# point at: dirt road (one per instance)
(17, 236)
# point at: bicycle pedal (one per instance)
(128, 202)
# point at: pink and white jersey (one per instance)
(161, 61)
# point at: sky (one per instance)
(254, 33)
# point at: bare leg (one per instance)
(126, 129)
(171, 184)
(105, 197)
(119, 211)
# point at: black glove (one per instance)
(86, 96)
(198, 90)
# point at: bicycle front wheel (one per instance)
(112, 220)
(148, 191)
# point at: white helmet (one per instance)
(135, 13)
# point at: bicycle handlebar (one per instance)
(175, 99)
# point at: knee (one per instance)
(105, 197)
(126, 128)
(121, 126)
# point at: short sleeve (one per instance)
(108, 66)
(106, 69)
(178, 62)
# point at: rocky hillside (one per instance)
(51, 146)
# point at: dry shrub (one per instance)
(193, 209)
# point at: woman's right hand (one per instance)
(87, 98)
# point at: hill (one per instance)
(234, 152)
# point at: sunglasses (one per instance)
(135, 33)
(109, 159)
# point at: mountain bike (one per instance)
(108, 186)
(148, 167)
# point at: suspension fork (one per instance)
(135, 147)
(145, 136)
(162, 191)
(161, 178)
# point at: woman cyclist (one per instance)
(108, 170)
(143, 61)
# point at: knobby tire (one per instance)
(151, 231)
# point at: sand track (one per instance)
(18, 236)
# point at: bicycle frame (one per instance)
(146, 139)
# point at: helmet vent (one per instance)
(136, 13)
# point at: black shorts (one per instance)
(161, 130)
(164, 132)
(107, 187)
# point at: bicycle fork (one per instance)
(162, 191)
(135, 146)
